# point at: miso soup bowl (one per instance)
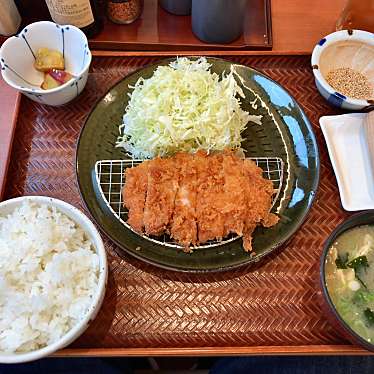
(328, 307)
(17, 57)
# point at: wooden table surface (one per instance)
(297, 26)
(8, 111)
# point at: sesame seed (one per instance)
(350, 83)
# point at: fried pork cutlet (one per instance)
(183, 227)
(200, 197)
(258, 193)
(134, 193)
(162, 185)
(209, 201)
(234, 207)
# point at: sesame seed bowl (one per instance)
(343, 68)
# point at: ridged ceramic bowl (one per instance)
(328, 307)
(8, 206)
(344, 49)
(17, 56)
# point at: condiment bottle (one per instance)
(81, 13)
(177, 7)
(10, 19)
(124, 11)
(218, 21)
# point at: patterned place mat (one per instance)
(272, 303)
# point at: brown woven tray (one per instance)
(270, 308)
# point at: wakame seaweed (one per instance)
(341, 261)
(356, 264)
(369, 315)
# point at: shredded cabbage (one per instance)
(183, 107)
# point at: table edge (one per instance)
(8, 147)
(305, 350)
(107, 53)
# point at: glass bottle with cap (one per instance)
(81, 13)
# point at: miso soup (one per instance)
(349, 273)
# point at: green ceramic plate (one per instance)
(286, 133)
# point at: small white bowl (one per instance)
(349, 49)
(17, 56)
(8, 206)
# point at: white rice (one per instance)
(49, 273)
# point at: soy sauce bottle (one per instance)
(84, 14)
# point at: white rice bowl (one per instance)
(53, 273)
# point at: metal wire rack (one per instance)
(110, 180)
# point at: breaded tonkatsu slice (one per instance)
(234, 207)
(134, 193)
(162, 187)
(210, 190)
(259, 192)
(183, 226)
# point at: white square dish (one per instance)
(349, 155)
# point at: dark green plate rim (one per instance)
(250, 260)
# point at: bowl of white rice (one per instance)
(53, 273)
